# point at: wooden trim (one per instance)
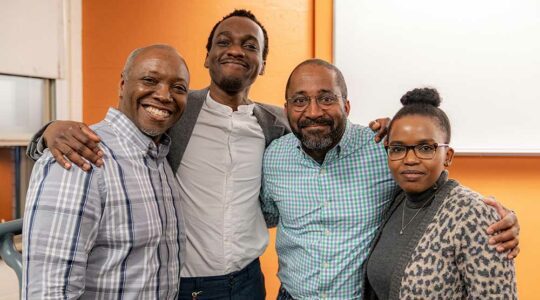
(323, 21)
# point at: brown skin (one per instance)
(412, 174)
(235, 60)
(311, 80)
(158, 79)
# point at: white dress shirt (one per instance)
(220, 180)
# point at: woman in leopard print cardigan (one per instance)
(432, 243)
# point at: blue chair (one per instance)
(9, 254)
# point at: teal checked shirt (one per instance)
(326, 214)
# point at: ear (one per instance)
(449, 157)
(121, 85)
(347, 106)
(263, 68)
(206, 63)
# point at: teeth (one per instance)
(157, 111)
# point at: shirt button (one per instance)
(322, 171)
(325, 265)
(327, 232)
(323, 295)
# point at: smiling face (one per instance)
(319, 128)
(412, 174)
(235, 58)
(153, 90)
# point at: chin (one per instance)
(412, 187)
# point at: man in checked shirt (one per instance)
(116, 231)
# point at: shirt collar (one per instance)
(214, 105)
(126, 129)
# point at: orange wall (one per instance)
(6, 184)
(298, 29)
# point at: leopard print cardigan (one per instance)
(449, 256)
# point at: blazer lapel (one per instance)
(272, 126)
(181, 132)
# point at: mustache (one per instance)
(319, 121)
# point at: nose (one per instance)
(410, 157)
(162, 93)
(236, 50)
(313, 110)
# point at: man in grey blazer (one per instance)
(216, 154)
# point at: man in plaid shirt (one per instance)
(115, 232)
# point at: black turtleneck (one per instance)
(405, 218)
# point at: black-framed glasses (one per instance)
(325, 100)
(422, 151)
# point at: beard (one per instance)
(152, 133)
(231, 84)
(318, 140)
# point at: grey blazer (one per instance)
(271, 119)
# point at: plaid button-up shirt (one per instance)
(326, 214)
(115, 232)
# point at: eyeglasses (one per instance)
(324, 100)
(422, 151)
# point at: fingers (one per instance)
(381, 133)
(508, 223)
(507, 246)
(505, 236)
(73, 156)
(90, 133)
(491, 201)
(60, 159)
(86, 146)
(514, 253)
(75, 142)
(374, 125)
(380, 126)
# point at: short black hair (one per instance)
(424, 102)
(319, 62)
(245, 14)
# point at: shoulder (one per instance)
(271, 109)
(280, 146)
(468, 208)
(195, 95)
(361, 135)
(361, 140)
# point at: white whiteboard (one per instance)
(31, 37)
(482, 55)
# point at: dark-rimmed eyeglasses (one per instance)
(325, 100)
(422, 151)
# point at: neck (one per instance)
(416, 199)
(233, 100)
(318, 156)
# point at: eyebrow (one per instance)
(152, 72)
(318, 92)
(424, 141)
